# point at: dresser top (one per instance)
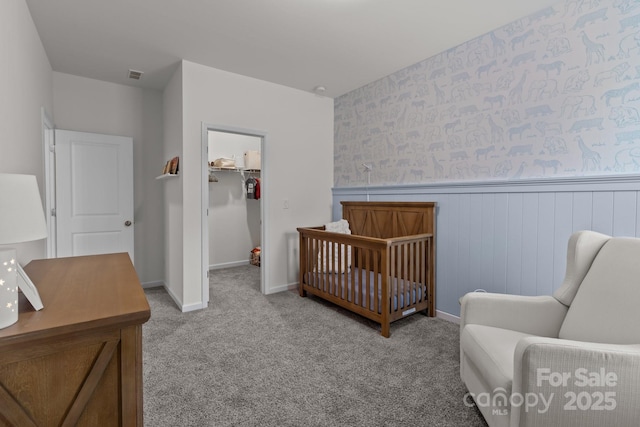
(79, 293)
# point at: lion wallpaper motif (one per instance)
(554, 94)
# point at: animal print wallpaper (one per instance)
(555, 94)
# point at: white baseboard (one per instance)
(156, 284)
(183, 307)
(174, 297)
(447, 316)
(195, 306)
(282, 288)
(228, 265)
(192, 307)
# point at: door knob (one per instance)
(127, 223)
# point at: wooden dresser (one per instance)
(78, 361)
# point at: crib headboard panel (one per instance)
(384, 220)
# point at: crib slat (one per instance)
(367, 279)
(413, 295)
(337, 276)
(385, 272)
(341, 254)
(419, 270)
(352, 273)
(303, 264)
(429, 276)
(421, 257)
(392, 273)
(335, 267)
(399, 277)
(376, 283)
(331, 268)
(407, 275)
(359, 293)
(341, 270)
(315, 265)
(310, 264)
(403, 274)
(316, 283)
(364, 287)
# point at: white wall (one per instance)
(89, 105)
(298, 124)
(234, 220)
(297, 163)
(25, 87)
(173, 206)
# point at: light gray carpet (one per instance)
(283, 360)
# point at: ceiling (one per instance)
(338, 44)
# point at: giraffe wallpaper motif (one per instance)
(554, 94)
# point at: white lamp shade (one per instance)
(21, 213)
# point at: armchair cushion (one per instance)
(539, 315)
(605, 310)
(492, 351)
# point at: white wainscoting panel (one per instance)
(511, 237)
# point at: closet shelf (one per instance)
(215, 169)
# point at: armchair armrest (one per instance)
(537, 315)
(575, 383)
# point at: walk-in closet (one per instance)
(234, 163)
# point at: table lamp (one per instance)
(21, 220)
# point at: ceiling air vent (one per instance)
(135, 75)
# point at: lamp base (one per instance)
(8, 288)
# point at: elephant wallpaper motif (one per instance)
(554, 94)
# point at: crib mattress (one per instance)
(402, 290)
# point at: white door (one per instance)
(94, 193)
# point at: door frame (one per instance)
(48, 147)
(206, 127)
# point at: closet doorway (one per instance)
(233, 195)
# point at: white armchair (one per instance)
(571, 359)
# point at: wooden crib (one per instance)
(384, 270)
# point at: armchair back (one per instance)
(582, 249)
(605, 308)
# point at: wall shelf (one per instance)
(167, 175)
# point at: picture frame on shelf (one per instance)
(29, 289)
(173, 166)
